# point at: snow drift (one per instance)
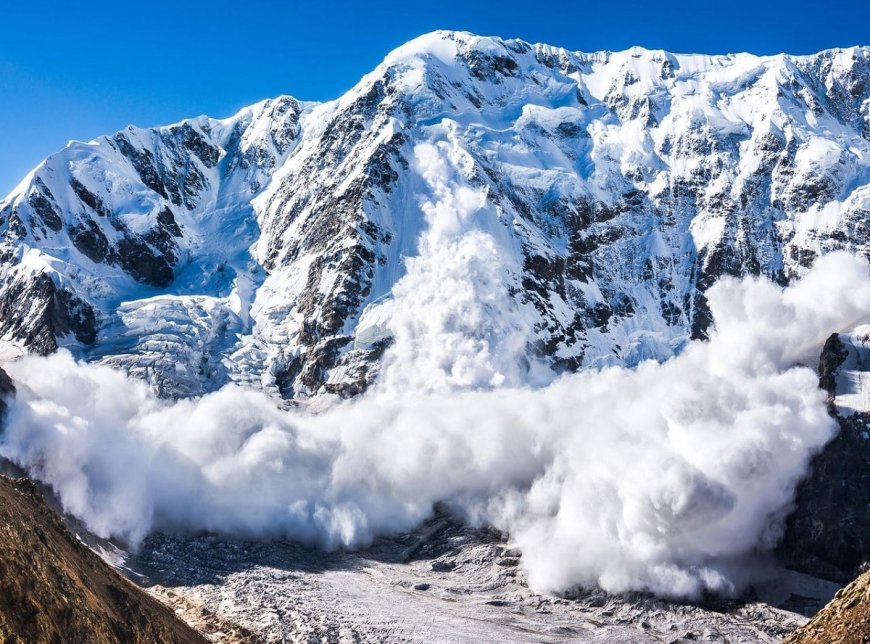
(667, 477)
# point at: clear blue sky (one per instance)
(74, 70)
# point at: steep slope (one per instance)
(609, 190)
(53, 589)
(828, 534)
(846, 620)
(143, 236)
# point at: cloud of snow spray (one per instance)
(661, 478)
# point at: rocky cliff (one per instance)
(828, 534)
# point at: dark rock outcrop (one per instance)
(7, 389)
(828, 534)
(38, 312)
(833, 355)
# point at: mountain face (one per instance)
(614, 188)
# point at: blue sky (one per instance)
(74, 70)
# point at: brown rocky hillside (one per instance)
(846, 620)
(54, 589)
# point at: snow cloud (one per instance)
(667, 477)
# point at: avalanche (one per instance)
(505, 275)
(669, 477)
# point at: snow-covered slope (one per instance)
(601, 194)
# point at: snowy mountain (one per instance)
(603, 193)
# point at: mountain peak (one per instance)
(626, 182)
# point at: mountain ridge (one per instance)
(270, 236)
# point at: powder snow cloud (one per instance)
(667, 477)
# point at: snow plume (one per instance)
(454, 322)
(668, 477)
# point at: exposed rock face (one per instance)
(846, 620)
(828, 535)
(53, 589)
(7, 389)
(264, 248)
(38, 313)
